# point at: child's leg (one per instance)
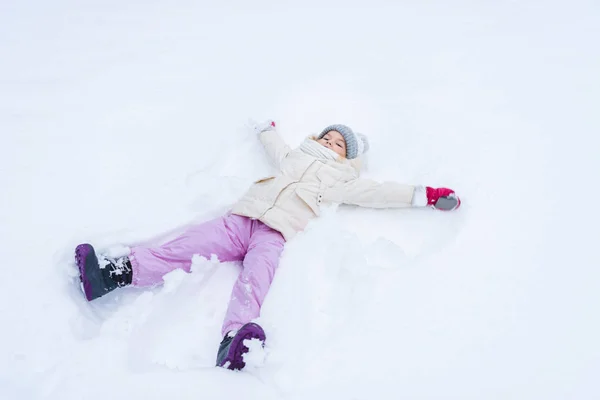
(225, 237)
(255, 279)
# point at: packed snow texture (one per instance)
(122, 122)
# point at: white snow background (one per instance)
(123, 121)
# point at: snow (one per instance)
(123, 122)
(255, 357)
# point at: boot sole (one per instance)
(89, 271)
(237, 348)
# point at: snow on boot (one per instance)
(99, 277)
(232, 347)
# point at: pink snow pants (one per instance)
(230, 238)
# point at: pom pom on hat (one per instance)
(356, 143)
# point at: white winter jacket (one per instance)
(288, 201)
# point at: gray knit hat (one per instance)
(356, 143)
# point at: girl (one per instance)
(322, 170)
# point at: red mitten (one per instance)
(442, 198)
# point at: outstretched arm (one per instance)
(373, 194)
(274, 145)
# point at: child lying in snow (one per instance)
(273, 210)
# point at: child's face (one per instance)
(335, 141)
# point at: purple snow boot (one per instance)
(98, 278)
(232, 346)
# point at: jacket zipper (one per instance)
(285, 187)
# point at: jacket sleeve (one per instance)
(373, 194)
(274, 145)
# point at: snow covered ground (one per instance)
(123, 121)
